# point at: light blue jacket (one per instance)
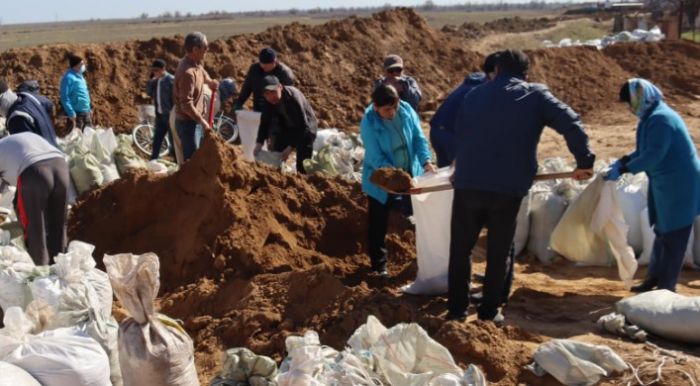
(667, 154)
(75, 97)
(376, 137)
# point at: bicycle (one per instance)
(142, 134)
(226, 128)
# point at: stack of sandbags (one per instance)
(154, 349)
(80, 296)
(60, 357)
(244, 367)
(90, 157)
(16, 270)
(547, 206)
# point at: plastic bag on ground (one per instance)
(15, 376)
(593, 231)
(85, 172)
(125, 156)
(154, 350)
(407, 356)
(664, 313)
(242, 366)
(61, 357)
(575, 363)
(648, 237)
(16, 269)
(433, 214)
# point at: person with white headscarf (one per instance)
(667, 154)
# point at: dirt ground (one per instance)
(251, 256)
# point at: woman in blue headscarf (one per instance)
(667, 154)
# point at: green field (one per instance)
(689, 36)
(13, 36)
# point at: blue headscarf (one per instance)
(643, 96)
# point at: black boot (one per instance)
(645, 286)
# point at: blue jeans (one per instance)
(667, 257)
(186, 130)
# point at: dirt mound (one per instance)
(472, 30)
(673, 66)
(582, 77)
(335, 63)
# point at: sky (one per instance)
(15, 12)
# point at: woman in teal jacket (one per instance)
(392, 136)
(667, 154)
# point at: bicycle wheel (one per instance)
(226, 128)
(143, 138)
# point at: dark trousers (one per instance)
(667, 257)
(378, 225)
(304, 147)
(471, 211)
(161, 129)
(81, 120)
(186, 131)
(42, 207)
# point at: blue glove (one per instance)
(614, 172)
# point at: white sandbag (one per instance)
(77, 266)
(61, 357)
(593, 231)
(648, 237)
(575, 363)
(15, 376)
(632, 201)
(248, 124)
(405, 354)
(6, 199)
(156, 167)
(323, 136)
(664, 313)
(154, 350)
(546, 208)
(109, 173)
(16, 267)
(433, 215)
(522, 226)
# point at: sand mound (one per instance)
(582, 77)
(674, 66)
(472, 30)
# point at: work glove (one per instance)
(614, 172)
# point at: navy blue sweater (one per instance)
(498, 128)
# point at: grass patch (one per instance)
(689, 36)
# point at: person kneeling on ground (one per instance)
(287, 121)
(667, 154)
(498, 127)
(393, 137)
(40, 173)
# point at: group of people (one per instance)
(488, 129)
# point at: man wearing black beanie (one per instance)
(268, 64)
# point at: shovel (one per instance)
(448, 186)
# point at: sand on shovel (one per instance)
(391, 179)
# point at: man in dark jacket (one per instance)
(287, 121)
(254, 81)
(442, 125)
(407, 86)
(25, 112)
(497, 130)
(160, 89)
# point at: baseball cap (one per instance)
(393, 61)
(271, 82)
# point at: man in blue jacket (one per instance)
(393, 137)
(442, 130)
(75, 96)
(497, 131)
(25, 112)
(160, 89)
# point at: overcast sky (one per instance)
(13, 12)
